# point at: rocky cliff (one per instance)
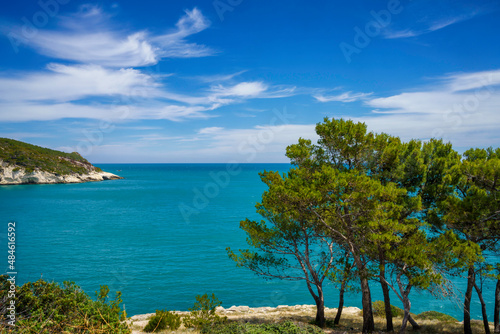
(22, 163)
(12, 174)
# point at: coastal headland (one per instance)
(23, 163)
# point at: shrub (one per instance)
(163, 320)
(47, 307)
(203, 312)
(434, 315)
(378, 308)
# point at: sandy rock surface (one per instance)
(246, 313)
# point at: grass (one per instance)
(32, 157)
(430, 322)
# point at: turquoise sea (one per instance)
(159, 236)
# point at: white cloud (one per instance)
(462, 108)
(66, 83)
(264, 143)
(446, 22)
(243, 89)
(52, 94)
(400, 34)
(34, 111)
(468, 81)
(90, 38)
(344, 97)
(210, 130)
(218, 77)
(432, 26)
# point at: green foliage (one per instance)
(378, 308)
(203, 312)
(32, 157)
(434, 315)
(163, 320)
(287, 327)
(50, 308)
(472, 208)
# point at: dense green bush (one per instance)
(202, 314)
(287, 327)
(379, 309)
(33, 157)
(47, 307)
(434, 315)
(163, 319)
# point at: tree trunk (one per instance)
(366, 298)
(320, 309)
(413, 322)
(406, 303)
(483, 310)
(468, 296)
(345, 279)
(368, 322)
(496, 318)
(405, 321)
(387, 300)
(341, 304)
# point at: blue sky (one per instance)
(239, 80)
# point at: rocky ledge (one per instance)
(245, 313)
(12, 174)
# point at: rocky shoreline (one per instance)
(15, 175)
(246, 313)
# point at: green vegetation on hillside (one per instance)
(32, 157)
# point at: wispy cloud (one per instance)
(344, 97)
(36, 111)
(262, 143)
(66, 83)
(460, 107)
(210, 130)
(400, 34)
(63, 91)
(429, 26)
(218, 77)
(243, 89)
(90, 37)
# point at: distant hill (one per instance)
(22, 163)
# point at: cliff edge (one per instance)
(23, 163)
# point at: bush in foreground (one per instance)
(202, 314)
(378, 308)
(434, 315)
(163, 320)
(47, 307)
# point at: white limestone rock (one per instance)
(12, 174)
